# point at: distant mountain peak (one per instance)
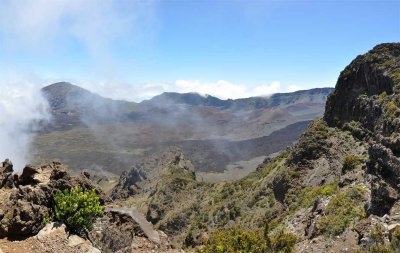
(316, 95)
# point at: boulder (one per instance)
(6, 171)
(383, 197)
(128, 183)
(52, 227)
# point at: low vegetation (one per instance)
(308, 195)
(380, 245)
(77, 208)
(343, 209)
(239, 240)
(350, 163)
(313, 143)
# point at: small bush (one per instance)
(76, 208)
(379, 244)
(313, 143)
(239, 240)
(350, 163)
(343, 209)
(307, 196)
(392, 110)
(281, 242)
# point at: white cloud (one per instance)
(221, 89)
(54, 25)
(22, 107)
(224, 89)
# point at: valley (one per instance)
(88, 132)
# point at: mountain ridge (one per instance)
(211, 130)
(61, 90)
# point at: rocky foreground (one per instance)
(26, 201)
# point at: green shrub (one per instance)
(239, 240)
(307, 196)
(343, 209)
(281, 242)
(392, 110)
(313, 143)
(350, 163)
(381, 97)
(76, 208)
(380, 248)
(379, 244)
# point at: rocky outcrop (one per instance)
(359, 84)
(128, 184)
(6, 171)
(29, 201)
(144, 175)
(125, 230)
(52, 238)
(366, 102)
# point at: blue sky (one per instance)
(136, 49)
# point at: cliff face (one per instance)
(363, 89)
(367, 103)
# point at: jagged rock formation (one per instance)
(6, 170)
(128, 183)
(126, 230)
(26, 198)
(335, 189)
(145, 175)
(368, 92)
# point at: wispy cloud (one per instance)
(22, 107)
(222, 89)
(97, 27)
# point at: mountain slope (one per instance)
(317, 95)
(336, 190)
(91, 132)
(73, 106)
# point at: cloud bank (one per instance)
(221, 89)
(22, 108)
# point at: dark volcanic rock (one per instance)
(28, 176)
(31, 200)
(118, 231)
(368, 75)
(170, 162)
(128, 183)
(6, 170)
(383, 196)
(366, 102)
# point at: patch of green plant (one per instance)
(396, 75)
(379, 245)
(314, 142)
(308, 195)
(350, 162)
(382, 97)
(343, 209)
(239, 240)
(391, 109)
(77, 208)
(354, 123)
(47, 219)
